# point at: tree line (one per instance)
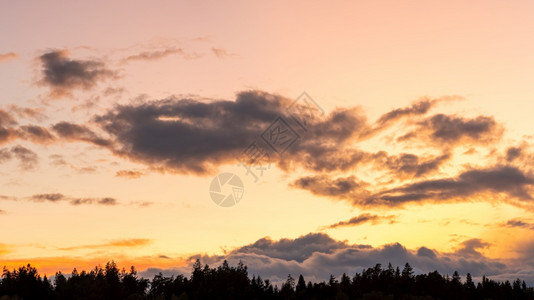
(233, 282)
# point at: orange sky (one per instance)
(92, 168)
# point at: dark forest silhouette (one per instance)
(227, 282)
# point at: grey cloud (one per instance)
(63, 74)
(501, 179)
(77, 132)
(426, 252)
(342, 188)
(311, 254)
(471, 247)
(187, 135)
(418, 108)
(362, 219)
(58, 197)
(101, 201)
(513, 153)
(410, 165)
(447, 130)
(36, 134)
(518, 223)
(48, 197)
(28, 160)
(293, 249)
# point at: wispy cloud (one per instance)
(129, 174)
(362, 219)
(57, 197)
(159, 54)
(8, 56)
(123, 243)
(222, 53)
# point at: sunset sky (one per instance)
(115, 116)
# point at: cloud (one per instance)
(8, 56)
(418, 108)
(506, 180)
(293, 249)
(221, 53)
(129, 174)
(406, 165)
(27, 112)
(471, 247)
(28, 160)
(63, 75)
(313, 253)
(57, 197)
(190, 136)
(341, 188)
(448, 130)
(7, 132)
(123, 243)
(159, 54)
(36, 134)
(193, 136)
(75, 132)
(362, 219)
(501, 179)
(101, 201)
(518, 223)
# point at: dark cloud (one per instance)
(63, 74)
(77, 132)
(472, 247)
(57, 197)
(507, 180)
(406, 165)
(8, 56)
(7, 132)
(519, 224)
(341, 188)
(418, 108)
(187, 135)
(362, 219)
(425, 252)
(36, 134)
(447, 130)
(501, 179)
(293, 249)
(194, 136)
(513, 153)
(28, 160)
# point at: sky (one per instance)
(358, 133)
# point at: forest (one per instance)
(233, 282)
